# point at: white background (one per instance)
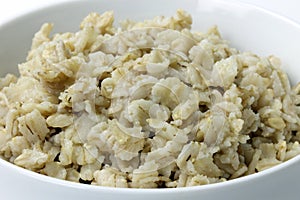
(12, 8)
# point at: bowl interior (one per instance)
(248, 28)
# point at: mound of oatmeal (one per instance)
(145, 105)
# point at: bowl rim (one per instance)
(69, 184)
(213, 186)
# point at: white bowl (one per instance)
(249, 28)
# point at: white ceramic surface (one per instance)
(247, 27)
(12, 8)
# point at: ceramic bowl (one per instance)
(247, 27)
